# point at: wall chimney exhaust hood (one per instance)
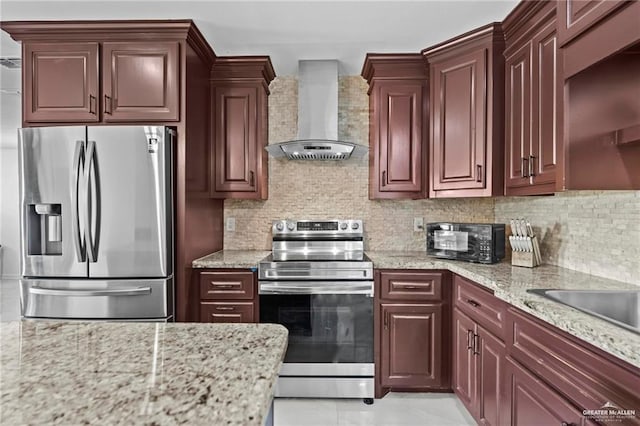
(317, 117)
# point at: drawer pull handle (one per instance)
(567, 424)
(384, 178)
(386, 320)
(476, 344)
(225, 308)
(473, 303)
(410, 287)
(108, 104)
(92, 103)
(469, 338)
(525, 168)
(222, 285)
(532, 168)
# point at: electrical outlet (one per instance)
(418, 224)
(231, 224)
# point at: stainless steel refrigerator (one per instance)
(96, 222)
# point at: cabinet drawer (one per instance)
(584, 377)
(395, 285)
(227, 312)
(480, 305)
(226, 285)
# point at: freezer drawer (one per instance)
(97, 299)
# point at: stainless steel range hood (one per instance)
(317, 117)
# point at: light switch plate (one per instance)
(231, 224)
(418, 224)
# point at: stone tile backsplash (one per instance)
(324, 190)
(591, 231)
(597, 232)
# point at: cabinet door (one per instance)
(464, 361)
(518, 117)
(60, 82)
(458, 102)
(547, 90)
(534, 403)
(491, 392)
(578, 16)
(227, 312)
(412, 345)
(234, 112)
(140, 81)
(400, 150)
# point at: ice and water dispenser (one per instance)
(44, 229)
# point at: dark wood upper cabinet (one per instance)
(140, 81)
(397, 125)
(84, 72)
(239, 98)
(60, 82)
(412, 345)
(578, 16)
(466, 76)
(534, 96)
(590, 31)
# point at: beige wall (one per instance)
(321, 190)
(592, 231)
(597, 232)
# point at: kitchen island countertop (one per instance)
(138, 373)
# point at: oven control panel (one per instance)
(317, 227)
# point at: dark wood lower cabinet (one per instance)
(227, 312)
(226, 295)
(412, 337)
(478, 370)
(412, 345)
(534, 403)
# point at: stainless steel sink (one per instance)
(620, 307)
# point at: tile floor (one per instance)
(395, 409)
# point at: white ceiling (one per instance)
(287, 30)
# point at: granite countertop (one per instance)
(231, 259)
(510, 283)
(138, 373)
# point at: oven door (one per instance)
(330, 325)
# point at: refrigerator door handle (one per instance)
(92, 200)
(64, 292)
(77, 219)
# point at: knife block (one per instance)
(523, 258)
(528, 259)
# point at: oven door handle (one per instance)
(318, 287)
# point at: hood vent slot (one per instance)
(313, 150)
(317, 117)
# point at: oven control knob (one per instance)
(291, 226)
(344, 226)
(355, 225)
(279, 226)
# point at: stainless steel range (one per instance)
(319, 284)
